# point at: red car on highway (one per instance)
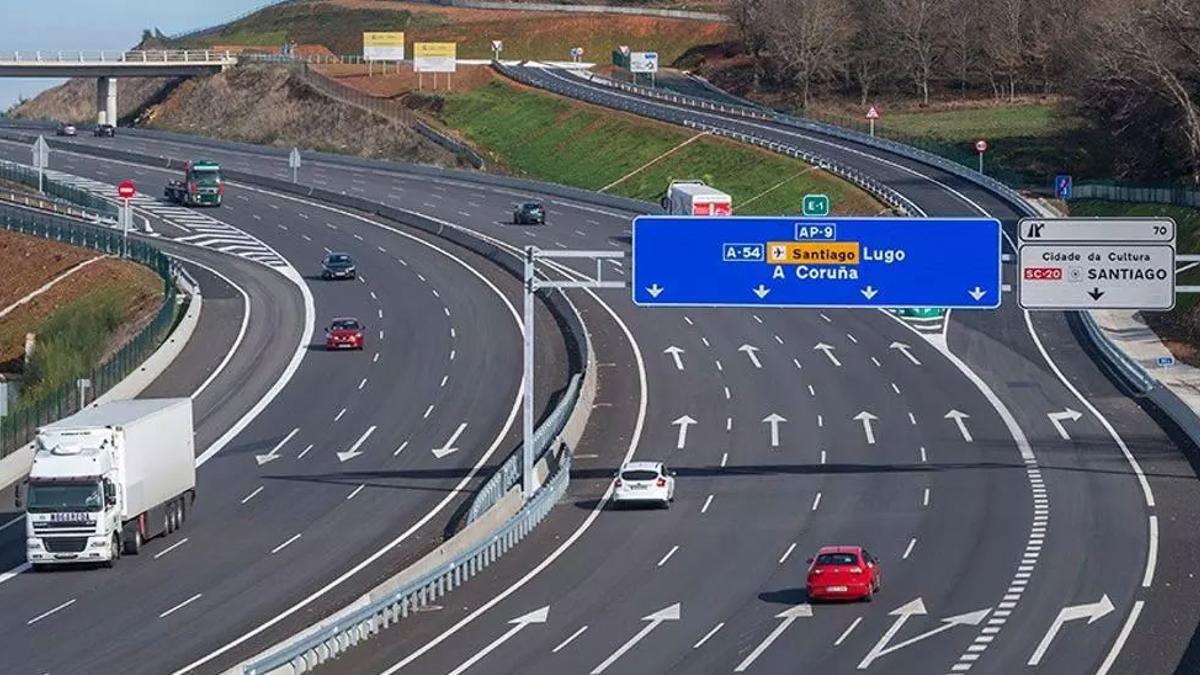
(345, 333)
(843, 573)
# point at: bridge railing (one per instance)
(119, 56)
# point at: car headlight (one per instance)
(34, 544)
(99, 542)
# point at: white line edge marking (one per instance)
(49, 612)
(667, 557)
(709, 634)
(787, 553)
(569, 640)
(707, 503)
(846, 633)
(1119, 644)
(908, 549)
(237, 342)
(170, 548)
(285, 544)
(181, 605)
(254, 494)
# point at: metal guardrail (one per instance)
(1130, 370)
(18, 426)
(359, 625)
(149, 56)
(95, 206)
(1178, 196)
(509, 473)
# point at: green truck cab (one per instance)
(201, 185)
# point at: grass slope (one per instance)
(551, 138)
(339, 25)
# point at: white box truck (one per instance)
(696, 198)
(106, 479)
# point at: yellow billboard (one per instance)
(435, 57)
(383, 46)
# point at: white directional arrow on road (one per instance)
(676, 353)
(670, 613)
(977, 293)
(519, 624)
(1056, 418)
(274, 453)
(449, 446)
(866, 418)
(761, 291)
(353, 451)
(905, 350)
(828, 349)
(683, 422)
(752, 352)
(789, 616)
(869, 292)
(654, 290)
(1092, 612)
(959, 417)
(774, 419)
(917, 608)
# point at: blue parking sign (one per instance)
(1062, 187)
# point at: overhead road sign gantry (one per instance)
(816, 262)
(1096, 263)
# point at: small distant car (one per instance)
(106, 130)
(345, 333)
(65, 129)
(644, 483)
(338, 266)
(530, 213)
(843, 573)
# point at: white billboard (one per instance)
(383, 46)
(435, 57)
(643, 62)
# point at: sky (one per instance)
(51, 25)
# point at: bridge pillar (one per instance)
(106, 101)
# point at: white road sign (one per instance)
(643, 62)
(1044, 230)
(41, 153)
(1097, 276)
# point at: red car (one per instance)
(345, 333)
(843, 573)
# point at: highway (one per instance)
(935, 451)
(337, 469)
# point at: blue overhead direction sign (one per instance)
(816, 262)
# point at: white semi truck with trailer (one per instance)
(106, 479)
(696, 198)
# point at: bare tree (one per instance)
(868, 59)
(916, 25)
(809, 38)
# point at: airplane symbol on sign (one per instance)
(777, 252)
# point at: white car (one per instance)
(644, 483)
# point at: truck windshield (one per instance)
(207, 177)
(50, 497)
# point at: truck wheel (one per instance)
(177, 514)
(114, 552)
(133, 543)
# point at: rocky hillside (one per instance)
(75, 100)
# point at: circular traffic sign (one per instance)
(126, 190)
(981, 145)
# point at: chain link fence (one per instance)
(18, 427)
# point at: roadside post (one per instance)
(497, 47)
(981, 146)
(41, 159)
(872, 115)
(84, 384)
(294, 164)
(125, 191)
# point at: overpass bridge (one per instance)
(108, 66)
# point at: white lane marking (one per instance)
(816, 502)
(362, 384)
(380, 313)
(237, 341)
(667, 557)
(845, 634)
(1121, 638)
(876, 362)
(170, 548)
(797, 362)
(428, 411)
(12, 522)
(895, 388)
(355, 492)
(381, 249)
(285, 544)
(852, 338)
(912, 418)
(908, 549)
(339, 415)
(925, 498)
(252, 495)
(569, 640)
(1152, 554)
(445, 378)
(923, 457)
(688, 320)
(778, 339)
(719, 367)
(446, 311)
(727, 394)
(705, 341)
(452, 353)
(756, 318)
(707, 503)
(181, 605)
(400, 449)
(787, 553)
(453, 333)
(728, 424)
(305, 237)
(822, 456)
(811, 391)
(48, 612)
(374, 297)
(375, 358)
(724, 459)
(827, 319)
(709, 634)
(820, 421)
(304, 451)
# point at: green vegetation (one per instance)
(550, 138)
(966, 125)
(72, 341)
(337, 28)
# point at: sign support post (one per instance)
(125, 192)
(981, 146)
(294, 164)
(41, 160)
(872, 115)
(533, 284)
